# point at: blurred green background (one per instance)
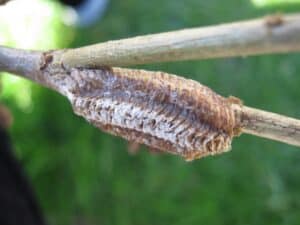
(84, 176)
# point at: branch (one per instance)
(272, 34)
(22, 62)
(271, 125)
(160, 110)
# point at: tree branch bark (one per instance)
(48, 69)
(270, 125)
(21, 62)
(271, 34)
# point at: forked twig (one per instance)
(157, 109)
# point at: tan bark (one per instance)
(47, 68)
(271, 34)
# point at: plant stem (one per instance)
(20, 62)
(270, 125)
(254, 37)
(271, 34)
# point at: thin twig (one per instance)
(270, 125)
(271, 34)
(19, 61)
(220, 119)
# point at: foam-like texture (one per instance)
(157, 109)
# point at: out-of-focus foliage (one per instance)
(263, 3)
(82, 174)
(31, 24)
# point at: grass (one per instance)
(82, 174)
